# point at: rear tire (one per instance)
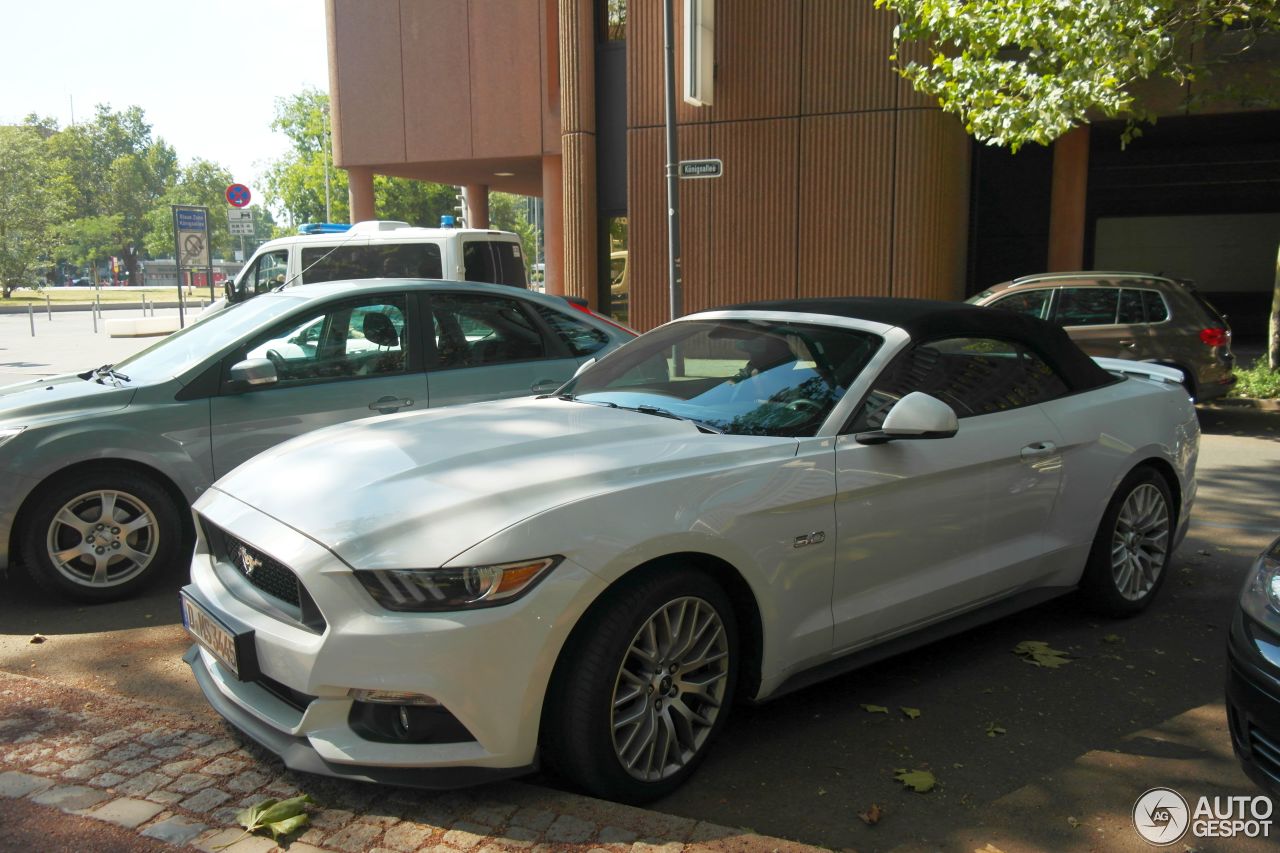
(100, 535)
(1131, 550)
(644, 686)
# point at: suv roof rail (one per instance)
(1052, 276)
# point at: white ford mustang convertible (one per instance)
(730, 507)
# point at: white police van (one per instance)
(381, 249)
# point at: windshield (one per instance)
(179, 352)
(744, 377)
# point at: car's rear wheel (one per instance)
(1130, 554)
(645, 687)
(101, 535)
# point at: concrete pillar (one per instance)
(580, 273)
(553, 224)
(1067, 203)
(476, 198)
(360, 190)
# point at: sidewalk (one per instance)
(168, 777)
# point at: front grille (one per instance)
(1266, 753)
(264, 572)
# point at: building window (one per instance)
(611, 20)
(615, 297)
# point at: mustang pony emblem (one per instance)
(247, 561)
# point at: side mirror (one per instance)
(915, 416)
(582, 367)
(254, 371)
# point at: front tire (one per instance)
(1130, 554)
(101, 535)
(646, 686)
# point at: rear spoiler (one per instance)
(1141, 369)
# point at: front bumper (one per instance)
(1253, 701)
(488, 668)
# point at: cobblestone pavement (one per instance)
(182, 781)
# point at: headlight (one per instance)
(9, 432)
(1261, 595)
(467, 588)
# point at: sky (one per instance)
(206, 74)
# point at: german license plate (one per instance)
(205, 628)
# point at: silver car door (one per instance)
(930, 527)
(335, 362)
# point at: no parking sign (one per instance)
(237, 195)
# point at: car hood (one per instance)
(47, 399)
(416, 490)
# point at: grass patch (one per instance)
(1258, 381)
(85, 296)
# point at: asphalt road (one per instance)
(1138, 706)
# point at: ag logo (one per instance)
(1161, 816)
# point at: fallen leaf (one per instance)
(1113, 638)
(1073, 821)
(822, 792)
(910, 713)
(988, 848)
(920, 781)
(874, 709)
(37, 639)
(993, 730)
(1039, 653)
(279, 817)
(872, 815)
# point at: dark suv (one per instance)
(1130, 315)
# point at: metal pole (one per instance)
(48, 308)
(31, 316)
(94, 315)
(324, 150)
(673, 161)
(177, 268)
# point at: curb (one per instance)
(166, 776)
(1263, 405)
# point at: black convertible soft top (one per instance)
(928, 319)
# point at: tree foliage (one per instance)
(1019, 71)
(33, 201)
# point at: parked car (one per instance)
(381, 249)
(1253, 676)
(99, 468)
(734, 505)
(1131, 316)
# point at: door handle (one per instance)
(543, 386)
(1039, 450)
(387, 405)
(1128, 344)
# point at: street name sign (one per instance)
(191, 236)
(701, 168)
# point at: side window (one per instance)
(387, 260)
(494, 261)
(472, 330)
(580, 338)
(975, 376)
(1033, 302)
(1157, 311)
(351, 339)
(270, 271)
(1087, 306)
(1131, 310)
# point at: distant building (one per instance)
(838, 179)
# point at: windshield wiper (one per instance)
(569, 398)
(667, 413)
(106, 370)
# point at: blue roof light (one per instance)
(324, 228)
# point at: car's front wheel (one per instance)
(645, 687)
(1132, 547)
(100, 535)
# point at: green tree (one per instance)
(115, 169)
(203, 183)
(1019, 71)
(295, 183)
(90, 240)
(33, 200)
(507, 212)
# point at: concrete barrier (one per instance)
(141, 327)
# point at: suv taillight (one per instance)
(1214, 337)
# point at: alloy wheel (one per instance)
(102, 538)
(1140, 543)
(670, 689)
